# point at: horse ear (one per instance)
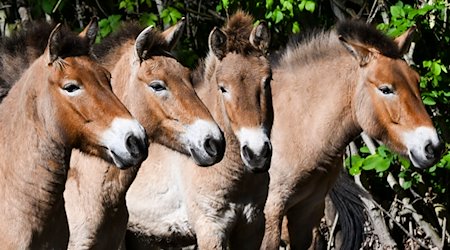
(144, 43)
(360, 52)
(53, 45)
(90, 31)
(218, 42)
(404, 40)
(260, 36)
(173, 34)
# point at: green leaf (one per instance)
(310, 6)
(396, 11)
(278, 16)
(404, 161)
(365, 150)
(372, 161)
(175, 15)
(354, 171)
(406, 184)
(429, 101)
(288, 6)
(166, 19)
(383, 151)
(432, 169)
(356, 161)
(427, 64)
(269, 4)
(436, 68)
(383, 166)
(122, 5)
(295, 27)
(301, 6)
(225, 4)
(148, 19)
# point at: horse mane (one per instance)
(23, 47)
(319, 44)
(126, 32)
(34, 35)
(368, 35)
(238, 30)
(18, 51)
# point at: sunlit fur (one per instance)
(224, 203)
(326, 91)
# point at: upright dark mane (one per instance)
(320, 45)
(238, 30)
(130, 31)
(368, 35)
(32, 36)
(72, 45)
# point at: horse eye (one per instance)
(386, 90)
(157, 86)
(71, 87)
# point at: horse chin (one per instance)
(259, 168)
(202, 159)
(121, 162)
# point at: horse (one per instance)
(63, 100)
(174, 203)
(327, 89)
(158, 91)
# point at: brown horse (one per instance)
(157, 90)
(62, 101)
(326, 91)
(172, 202)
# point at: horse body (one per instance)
(325, 92)
(223, 203)
(51, 109)
(157, 90)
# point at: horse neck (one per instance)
(34, 164)
(326, 104)
(99, 180)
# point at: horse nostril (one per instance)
(265, 152)
(248, 153)
(211, 147)
(133, 145)
(433, 151)
(429, 150)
